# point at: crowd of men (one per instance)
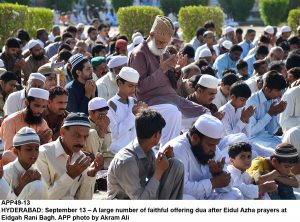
(216, 118)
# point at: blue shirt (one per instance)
(261, 122)
(246, 46)
(250, 60)
(77, 101)
(223, 62)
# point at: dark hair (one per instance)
(148, 122)
(194, 80)
(40, 32)
(275, 80)
(57, 91)
(240, 89)
(118, 78)
(209, 24)
(250, 31)
(124, 37)
(102, 26)
(208, 70)
(228, 71)
(97, 48)
(65, 36)
(236, 48)
(235, 149)
(23, 35)
(188, 50)
(276, 66)
(293, 60)
(8, 76)
(239, 31)
(285, 46)
(262, 50)
(229, 78)
(64, 55)
(71, 29)
(201, 62)
(94, 20)
(264, 39)
(287, 159)
(200, 31)
(241, 64)
(64, 46)
(194, 130)
(294, 41)
(79, 66)
(90, 29)
(295, 72)
(258, 63)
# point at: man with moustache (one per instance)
(36, 59)
(56, 112)
(160, 74)
(82, 89)
(204, 177)
(65, 169)
(31, 116)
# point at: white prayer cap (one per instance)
(80, 25)
(227, 44)
(292, 137)
(285, 28)
(129, 74)
(33, 43)
(210, 126)
(137, 40)
(97, 103)
(37, 76)
(269, 29)
(41, 43)
(205, 53)
(39, 93)
(208, 81)
(136, 34)
(24, 136)
(227, 30)
(1, 63)
(116, 61)
(2, 71)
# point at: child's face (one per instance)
(282, 168)
(28, 154)
(244, 71)
(238, 102)
(242, 161)
(127, 88)
(225, 89)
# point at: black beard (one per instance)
(31, 119)
(38, 57)
(200, 155)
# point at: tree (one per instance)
(273, 12)
(240, 10)
(20, 2)
(121, 3)
(169, 6)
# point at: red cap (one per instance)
(121, 44)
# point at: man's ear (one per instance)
(274, 161)
(26, 102)
(62, 131)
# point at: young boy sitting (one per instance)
(236, 117)
(242, 67)
(240, 155)
(23, 178)
(277, 167)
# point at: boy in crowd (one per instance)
(242, 68)
(240, 159)
(236, 117)
(277, 167)
(21, 175)
(123, 109)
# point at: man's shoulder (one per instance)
(47, 147)
(12, 117)
(14, 94)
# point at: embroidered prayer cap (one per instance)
(227, 44)
(210, 126)
(97, 103)
(37, 76)
(269, 29)
(96, 61)
(163, 26)
(285, 150)
(285, 28)
(121, 44)
(205, 53)
(24, 136)
(208, 81)
(77, 119)
(129, 74)
(116, 61)
(39, 93)
(33, 43)
(227, 30)
(75, 59)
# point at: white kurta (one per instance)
(122, 122)
(232, 120)
(4, 189)
(197, 184)
(51, 163)
(35, 190)
(220, 99)
(15, 102)
(107, 86)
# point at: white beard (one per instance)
(152, 47)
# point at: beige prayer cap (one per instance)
(163, 26)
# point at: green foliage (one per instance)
(97, 3)
(169, 6)
(294, 19)
(136, 18)
(273, 12)
(14, 17)
(20, 2)
(239, 11)
(192, 17)
(62, 5)
(193, 2)
(116, 4)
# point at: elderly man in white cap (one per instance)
(228, 34)
(222, 47)
(67, 171)
(16, 100)
(209, 40)
(286, 32)
(107, 85)
(204, 172)
(22, 176)
(157, 85)
(36, 59)
(123, 108)
(31, 116)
